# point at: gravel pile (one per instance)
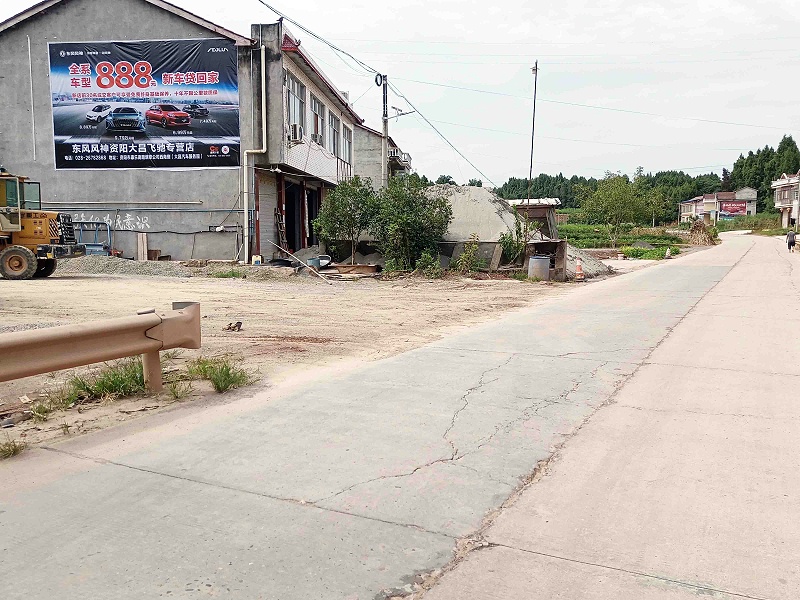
(591, 266)
(110, 265)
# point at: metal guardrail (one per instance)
(37, 351)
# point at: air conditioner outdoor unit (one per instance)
(316, 137)
(296, 132)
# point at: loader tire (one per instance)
(45, 267)
(17, 262)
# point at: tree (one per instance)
(727, 183)
(409, 220)
(475, 182)
(346, 213)
(445, 179)
(614, 204)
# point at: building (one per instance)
(787, 197)
(719, 206)
(368, 156)
(542, 210)
(129, 132)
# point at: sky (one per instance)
(714, 78)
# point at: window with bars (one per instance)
(347, 145)
(296, 100)
(317, 121)
(334, 125)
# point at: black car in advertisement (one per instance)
(145, 105)
(125, 118)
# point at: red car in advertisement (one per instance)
(167, 115)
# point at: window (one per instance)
(296, 100)
(317, 120)
(347, 145)
(333, 125)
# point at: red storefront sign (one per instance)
(733, 208)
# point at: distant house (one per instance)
(786, 197)
(368, 155)
(719, 206)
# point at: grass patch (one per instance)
(595, 236)
(649, 253)
(230, 274)
(523, 276)
(755, 222)
(771, 232)
(179, 389)
(121, 378)
(11, 447)
(221, 372)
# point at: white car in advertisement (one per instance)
(98, 112)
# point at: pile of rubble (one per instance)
(476, 210)
(111, 265)
(592, 267)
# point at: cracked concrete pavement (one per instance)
(686, 483)
(350, 486)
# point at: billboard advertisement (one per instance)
(729, 210)
(145, 105)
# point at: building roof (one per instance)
(291, 45)
(162, 4)
(378, 133)
(536, 202)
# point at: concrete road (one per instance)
(353, 485)
(688, 483)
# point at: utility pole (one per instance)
(535, 70)
(383, 81)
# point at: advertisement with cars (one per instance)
(145, 105)
(729, 210)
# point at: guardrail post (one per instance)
(151, 366)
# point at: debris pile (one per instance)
(591, 266)
(699, 236)
(476, 210)
(110, 265)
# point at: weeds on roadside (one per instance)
(179, 389)
(429, 265)
(11, 447)
(468, 261)
(523, 276)
(222, 374)
(121, 378)
(65, 428)
(230, 274)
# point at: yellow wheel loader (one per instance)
(31, 240)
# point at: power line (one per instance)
(375, 71)
(318, 37)
(593, 106)
(432, 126)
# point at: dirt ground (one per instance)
(288, 326)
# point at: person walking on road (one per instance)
(790, 240)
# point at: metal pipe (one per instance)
(245, 184)
(26, 353)
(33, 108)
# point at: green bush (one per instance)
(468, 261)
(429, 265)
(407, 222)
